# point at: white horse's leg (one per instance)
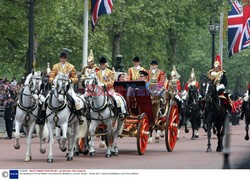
(18, 126)
(58, 136)
(64, 128)
(73, 141)
(41, 129)
(29, 134)
(110, 136)
(51, 141)
(92, 129)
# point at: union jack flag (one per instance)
(99, 7)
(238, 27)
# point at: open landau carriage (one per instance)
(149, 108)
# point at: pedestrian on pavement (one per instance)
(9, 116)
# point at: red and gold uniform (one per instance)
(65, 69)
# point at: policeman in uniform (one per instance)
(106, 76)
(66, 68)
(133, 72)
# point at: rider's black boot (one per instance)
(79, 117)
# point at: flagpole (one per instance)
(221, 37)
(85, 34)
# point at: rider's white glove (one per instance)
(219, 87)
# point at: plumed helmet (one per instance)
(192, 75)
(91, 56)
(217, 62)
(174, 73)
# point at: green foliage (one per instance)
(173, 32)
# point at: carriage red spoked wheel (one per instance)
(172, 126)
(142, 134)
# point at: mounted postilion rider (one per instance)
(218, 77)
(66, 68)
(106, 76)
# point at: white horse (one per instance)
(59, 115)
(27, 112)
(101, 112)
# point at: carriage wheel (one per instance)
(172, 127)
(142, 134)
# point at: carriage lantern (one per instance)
(119, 63)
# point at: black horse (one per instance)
(192, 110)
(215, 115)
(246, 113)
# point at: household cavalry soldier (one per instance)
(245, 102)
(133, 72)
(91, 67)
(66, 68)
(191, 82)
(218, 76)
(106, 76)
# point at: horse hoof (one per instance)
(43, 151)
(108, 156)
(209, 150)
(192, 138)
(92, 154)
(63, 150)
(76, 153)
(49, 160)
(218, 149)
(114, 153)
(157, 139)
(102, 145)
(27, 159)
(85, 152)
(69, 158)
(17, 147)
(246, 138)
(186, 131)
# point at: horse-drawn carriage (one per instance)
(149, 108)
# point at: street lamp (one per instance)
(213, 28)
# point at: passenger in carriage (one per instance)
(133, 72)
(121, 77)
(218, 76)
(66, 68)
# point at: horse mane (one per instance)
(27, 80)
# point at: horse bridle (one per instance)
(195, 96)
(63, 91)
(95, 90)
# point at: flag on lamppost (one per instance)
(238, 26)
(99, 7)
